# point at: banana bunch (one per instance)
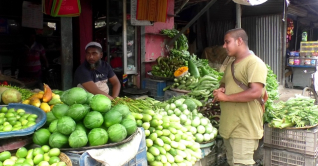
(44, 99)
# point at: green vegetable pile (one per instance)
(85, 120)
(201, 88)
(299, 111)
(178, 56)
(174, 131)
(181, 43)
(166, 66)
(135, 105)
(13, 120)
(41, 156)
(271, 88)
(26, 93)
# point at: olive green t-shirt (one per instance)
(242, 120)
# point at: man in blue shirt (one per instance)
(93, 74)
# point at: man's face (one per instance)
(93, 55)
(230, 44)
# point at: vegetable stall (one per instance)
(75, 127)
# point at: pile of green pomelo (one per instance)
(85, 119)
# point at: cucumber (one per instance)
(161, 149)
(164, 159)
(150, 157)
(159, 142)
(159, 133)
(137, 116)
(178, 159)
(166, 132)
(166, 140)
(204, 71)
(146, 117)
(173, 152)
(153, 136)
(5, 155)
(156, 163)
(193, 69)
(170, 158)
(154, 151)
(149, 112)
(197, 102)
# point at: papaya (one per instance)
(47, 96)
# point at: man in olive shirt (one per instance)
(241, 122)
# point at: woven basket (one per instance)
(12, 81)
(64, 158)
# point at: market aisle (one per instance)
(285, 93)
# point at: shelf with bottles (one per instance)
(302, 61)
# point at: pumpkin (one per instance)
(181, 71)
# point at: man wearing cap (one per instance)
(93, 74)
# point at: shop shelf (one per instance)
(155, 87)
(275, 157)
(299, 141)
(40, 121)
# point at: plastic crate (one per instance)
(155, 87)
(139, 160)
(275, 157)
(169, 94)
(299, 141)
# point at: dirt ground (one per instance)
(286, 93)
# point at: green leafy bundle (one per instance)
(299, 111)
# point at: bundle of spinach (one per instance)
(299, 111)
(272, 90)
(181, 43)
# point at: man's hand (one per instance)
(219, 95)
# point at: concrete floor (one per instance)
(286, 93)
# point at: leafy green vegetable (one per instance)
(299, 111)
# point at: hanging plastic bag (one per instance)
(250, 2)
(66, 8)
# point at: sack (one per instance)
(250, 2)
(262, 100)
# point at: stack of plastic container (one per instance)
(309, 53)
(290, 147)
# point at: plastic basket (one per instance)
(155, 87)
(299, 141)
(275, 157)
(40, 121)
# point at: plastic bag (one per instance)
(250, 2)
